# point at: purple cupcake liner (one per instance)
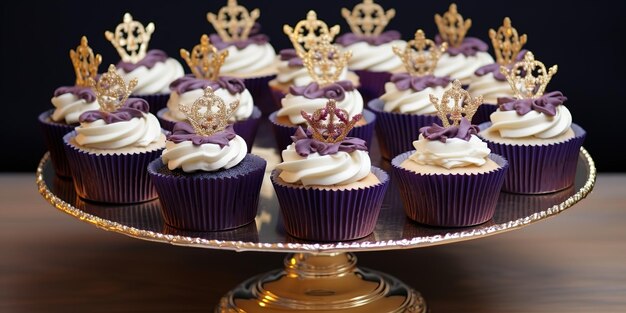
(330, 215)
(53, 137)
(145, 216)
(261, 93)
(483, 113)
(246, 233)
(246, 129)
(372, 83)
(539, 168)
(156, 102)
(396, 132)
(204, 201)
(453, 200)
(111, 178)
(63, 188)
(278, 96)
(283, 133)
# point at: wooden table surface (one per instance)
(50, 262)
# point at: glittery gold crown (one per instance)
(85, 63)
(528, 78)
(325, 62)
(130, 39)
(330, 124)
(309, 32)
(204, 60)
(111, 90)
(506, 42)
(209, 114)
(452, 27)
(233, 22)
(420, 55)
(368, 18)
(455, 104)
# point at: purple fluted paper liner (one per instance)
(483, 113)
(330, 215)
(111, 178)
(246, 233)
(539, 168)
(145, 216)
(372, 84)
(283, 133)
(278, 96)
(156, 101)
(453, 200)
(63, 188)
(53, 138)
(261, 93)
(209, 201)
(396, 132)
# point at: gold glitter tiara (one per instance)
(528, 78)
(85, 63)
(330, 124)
(130, 39)
(463, 105)
(111, 90)
(506, 42)
(368, 18)
(204, 60)
(325, 62)
(420, 55)
(233, 22)
(209, 114)
(452, 27)
(309, 32)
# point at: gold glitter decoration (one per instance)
(209, 114)
(420, 55)
(528, 78)
(452, 27)
(204, 60)
(368, 18)
(233, 22)
(330, 124)
(325, 62)
(85, 63)
(506, 42)
(307, 33)
(131, 39)
(463, 105)
(111, 90)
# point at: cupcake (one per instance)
(405, 106)
(372, 57)
(465, 54)
(488, 81)
(251, 56)
(69, 103)
(111, 148)
(205, 62)
(153, 69)
(205, 178)
(326, 186)
(451, 179)
(534, 131)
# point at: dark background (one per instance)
(583, 37)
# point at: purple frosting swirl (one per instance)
(545, 104)
(405, 81)
(184, 132)
(292, 58)
(153, 57)
(254, 37)
(336, 90)
(385, 37)
(469, 47)
(464, 131)
(190, 82)
(494, 68)
(134, 107)
(85, 93)
(306, 145)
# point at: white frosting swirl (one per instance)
(462, 67)
(249, 59)
(154, 80)
(410, 101)
(292, 105)
(244, 111)
(207, 157)
(374, 58)
(490, 88)
(136, 132)
(453, 153)
(298, 75)
(69, 107)
(532, 124)
(341, 168)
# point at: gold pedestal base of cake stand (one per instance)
(322, 283)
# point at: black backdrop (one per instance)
(582, 37)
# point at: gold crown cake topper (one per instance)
(368, 18)
(209, 114)
(309, 32)
(85, 63)
(452, 27)
(204, 60)
(233, 22)
(506, 42)
(457, 110)
(528, 78)
(130, 39)
(111, 90)
(420, 55)
(325, 62)
(330, 124)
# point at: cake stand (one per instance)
(316, 276)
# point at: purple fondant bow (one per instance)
(184, 132)
(545, 104)
(190, 82)
(494, 68)
(134, 107)
(254, 37)
(152, 58)
(336, 90)
(464, 131)
(469, 47)
(306, 145)
(405, 81)
(385, 37)
(85, 93)
(292, 58)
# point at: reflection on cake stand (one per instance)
(316, 276)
